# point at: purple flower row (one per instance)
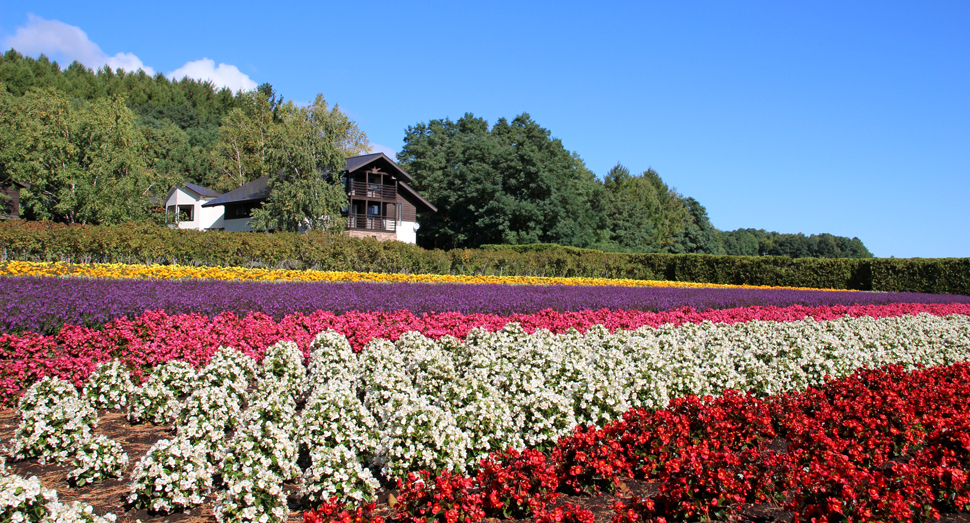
(44, 304)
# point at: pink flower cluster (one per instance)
(156, 337)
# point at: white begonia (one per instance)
(174, 475)
(283, 363)
(207, 416)
(24, 500)
(273, 400)
(75, 512)
(334, 416)
(153, 402)
(332, 358)
(178, 376)
(229, 369)
(482, 413)
(263, 445)
(421, 436)
(44, 394)
(337, 473)
(53, 430)
(256, 497)
(430, 368)
(379, 356)
(109, 386)
(98, 459)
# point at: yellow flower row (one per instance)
(176, 272)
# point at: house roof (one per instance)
(204, 192)
(356, 163)
(421, 201)
(259, 189)
(253, 191)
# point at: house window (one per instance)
(235, 211)
(182, 213)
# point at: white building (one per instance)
(183, 208)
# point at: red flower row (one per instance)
(878, 445)
(155, 337)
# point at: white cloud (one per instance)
(378, 148)
(224, 75)
(67, 43)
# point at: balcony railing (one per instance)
(371, 190)
(370, 222)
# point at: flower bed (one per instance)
(155, 337)
(44, 304)
(897, 437)
(179, 272)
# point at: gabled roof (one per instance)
(203, 192)
(253, 191)
(356, 163)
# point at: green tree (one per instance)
(629, 224)
(699, 236)
(307, 150)
(512, 183)
(80, 159)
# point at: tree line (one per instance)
(104, 147)
(513, 183)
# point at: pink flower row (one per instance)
(155, 337)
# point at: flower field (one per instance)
(178, 272)
(696, 407)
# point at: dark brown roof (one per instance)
(253, 191)
(355, 163)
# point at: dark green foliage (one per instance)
(147, 243)
(512, 183)
(758, 242)
(698, 235)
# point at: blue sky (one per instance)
(851, 118)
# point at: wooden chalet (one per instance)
(381, 203)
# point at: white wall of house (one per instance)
(202, 218)
(407, 232)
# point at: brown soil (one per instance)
(110, 496)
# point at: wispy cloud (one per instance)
(223, 75)
(378, 148)
(67, 43)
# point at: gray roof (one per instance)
(204, 192)
(253, 191)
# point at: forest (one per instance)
(104, 147)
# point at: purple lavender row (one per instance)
(44, 304)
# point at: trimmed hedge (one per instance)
(148, 243)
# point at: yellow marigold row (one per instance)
(175, 272)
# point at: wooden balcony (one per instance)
(371, 190)
(371, 222)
